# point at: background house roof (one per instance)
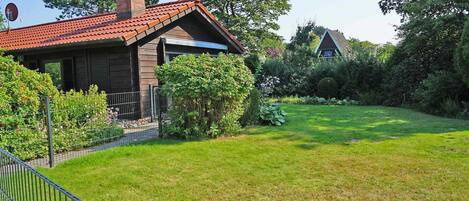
(339, 40)
(100, 28)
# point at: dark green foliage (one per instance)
(430, 33)
(402, 79)
(272, 114)
(462, 54)
(328, 88)
(74, 8)
(252, 21)
(362, 78)
(304, 35)
(287, 76)
(300, 51)
(373, 97)
(252, 107)
(436, 89)
(451, 107)
(253, 62)
(207, 94)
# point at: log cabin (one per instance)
(118, 51)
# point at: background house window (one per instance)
(328, 53)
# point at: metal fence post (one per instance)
(49, 133)
(152, 102)
(160, 111)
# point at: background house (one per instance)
(333, 43)
(118, 51)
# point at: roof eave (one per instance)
(117, 41)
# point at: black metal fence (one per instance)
(20, 182)
(140, 114)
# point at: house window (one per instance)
(62, 73)
(54, 69)
(327, 53)
(172, 55)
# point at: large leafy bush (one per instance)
(21, 117)
(207, 94)
(438, 88)
(78, 119)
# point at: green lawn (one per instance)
(323, 152)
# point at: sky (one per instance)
(360, 19)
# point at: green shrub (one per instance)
(21, 116)
(361, 76)
(207, 94)
(78, 109)
(272, 114)
(79, 119)
(451, 107)
(436, 89)
(328, 88)
(371, 98)
(252, 104)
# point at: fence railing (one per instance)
(140, 115)
(19, 181)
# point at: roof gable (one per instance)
(106, 28)
(331, 39)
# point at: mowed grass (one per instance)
(322, 153)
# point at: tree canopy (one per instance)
(308, 34)
(2, 22)
(430, 33)
(74, 8)
(252, 21)
(462, 54)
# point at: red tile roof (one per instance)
(103, 27)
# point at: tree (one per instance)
(363, 47)
(273, 47)
(462, 54)
(385, 52)
(2, 22)
(252, 21)
(302, 45)
(307, 34)
(430, 33)
(74, 8)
